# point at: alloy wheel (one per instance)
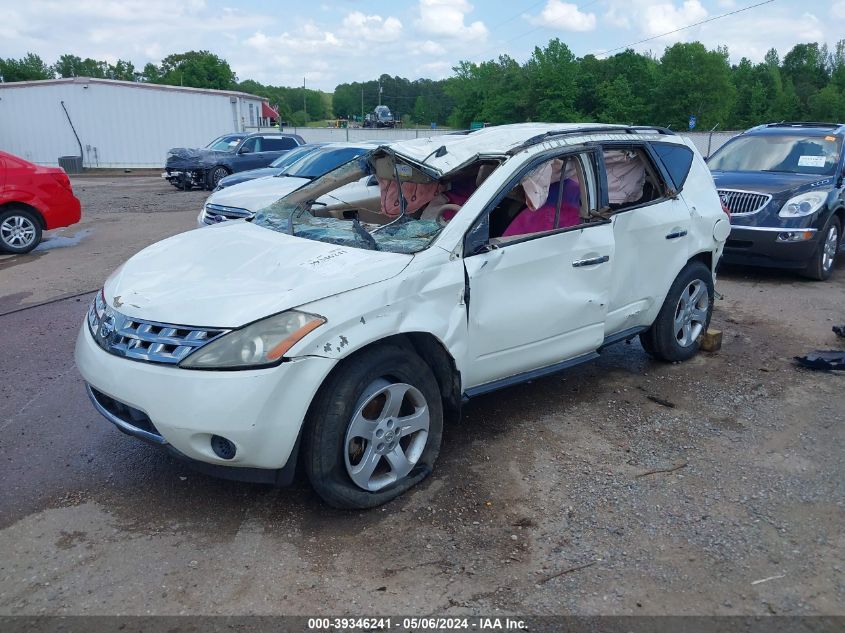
(691, 313)
(387, 434)
(829, 249)
(17, 231)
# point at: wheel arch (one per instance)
(705, 257)
(433, 352)
(26, 207)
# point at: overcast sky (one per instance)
(330, 42)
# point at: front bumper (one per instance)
(761, 246)
(260, 411)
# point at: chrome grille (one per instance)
(147, 340)
(743, 202)
(214, 213)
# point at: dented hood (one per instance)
(185, 156)
(235, 273)
(254, 195)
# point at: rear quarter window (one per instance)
(677, 159)
(272, 144)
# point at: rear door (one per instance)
(537, 297)
(651, 225)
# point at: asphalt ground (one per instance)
(624, 486)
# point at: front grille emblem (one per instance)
(107, 326)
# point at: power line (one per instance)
(688, 26)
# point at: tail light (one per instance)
(62, 179)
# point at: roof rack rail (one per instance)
(804, 124)
(628, 129)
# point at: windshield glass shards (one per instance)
(375, 202)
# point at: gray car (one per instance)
(205, 167)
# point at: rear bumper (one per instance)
(764, 246)
(63, 212)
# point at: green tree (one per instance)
(694, 81)
(828, 104)
(198, 69)
(30, 67)
(807, 66)
(620, 102)
(551, 75)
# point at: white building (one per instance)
(118, 123)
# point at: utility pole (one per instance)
(362, 104)
(304, 104)
(379, 91)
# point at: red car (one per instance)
(32, 199)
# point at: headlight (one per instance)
(260, 344)
(803, 204)
(96, 311)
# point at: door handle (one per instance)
(591, 262)
(676, 235)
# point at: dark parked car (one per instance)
(275, 168)
(230, 153)
(782, 183)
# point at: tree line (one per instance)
(552, 85)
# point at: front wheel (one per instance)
(820, 266)
(215, 176)
(684, 317)
(20, 231)
(374, 428)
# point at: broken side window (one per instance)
(632, 179)
(557, 194)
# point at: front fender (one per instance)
(427, 297)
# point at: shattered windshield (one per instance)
(781, 153)
(375, 202)
(226, 143)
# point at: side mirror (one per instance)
(244, 150)
(372, 181)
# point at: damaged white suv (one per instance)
(342, 337)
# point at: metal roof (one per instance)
(127, 84)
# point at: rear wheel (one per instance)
(20, 231)
(684, 317)
(821, 264)
(374, 428)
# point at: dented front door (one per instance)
(538, 302)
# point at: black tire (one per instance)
(820, 266)
(215, 175)
(661, 339)
(20, 231)
(325, 445)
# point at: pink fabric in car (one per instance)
(543, 219)
(417, 195)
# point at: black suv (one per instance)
(782, 184)
(204, 168)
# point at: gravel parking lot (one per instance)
(625, 486)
